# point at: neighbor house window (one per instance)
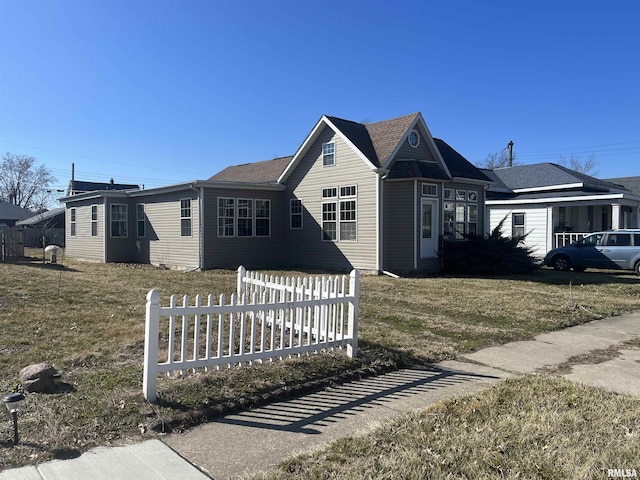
(263, 218)
(94, 220)
(141, 224)
(460, 212)
(517, 224)
(226, 217)
(118, 220)
(72, 216)
(339, 217)
(185, 217)
(295, 210)
(328, 154)
(245, 217)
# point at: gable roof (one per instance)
(266, 171)
(548, 176)
(387, 135)
(9, 211)
(80, 186)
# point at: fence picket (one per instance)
(278, 316)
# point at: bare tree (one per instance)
(498, 160)
(24, 183)
(586, 166)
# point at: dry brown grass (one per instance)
(88, 320)
(530, 427)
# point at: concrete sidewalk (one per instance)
(255, 440)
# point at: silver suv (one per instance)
(613, 249)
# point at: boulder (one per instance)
(39, 377)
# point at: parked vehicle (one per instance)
(612, 249)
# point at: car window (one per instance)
(618, 240)
(591, 240)
(636, 239)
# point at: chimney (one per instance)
(111, 181)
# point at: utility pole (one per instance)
(510, 147)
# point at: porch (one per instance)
(572, 223)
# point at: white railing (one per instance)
(567, 238)
(269, 317)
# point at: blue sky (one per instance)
(159, 92)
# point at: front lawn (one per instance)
(88, 320)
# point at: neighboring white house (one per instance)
(556, 206)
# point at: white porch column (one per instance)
(615, 216)
(550, 230)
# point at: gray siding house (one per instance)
(378, 197)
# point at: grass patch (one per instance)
(87, 320)
(529, 427)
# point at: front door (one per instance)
(429, 229)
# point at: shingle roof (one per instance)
(546, 175)
(41, 217)
(417, 169)
(386, 135)
(458, 165)
(630, 183)
(359, 135)
(266, 171)
(9, 211)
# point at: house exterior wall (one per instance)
(163, 242)
(84, 246)
(535, 225)
(250, 251)
(305, 247)
(399, 227)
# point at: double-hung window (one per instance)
(328, 154)
(245, 217)
(185, 217)
(141, 225)
(94, 220)
(295, 210)
(263, 218)
(517, 224)
(226, 217)
(118, 220)
(72, 216)
(339, 213)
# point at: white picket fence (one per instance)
(268, 318)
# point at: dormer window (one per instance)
(328, 154)
(414, 138)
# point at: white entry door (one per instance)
(429, 229)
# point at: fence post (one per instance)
(152, 324)
(354, 311)
(241, 286)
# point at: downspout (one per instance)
(200, 192)
(415, 225)
(380, 223)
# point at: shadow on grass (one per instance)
(38, 263)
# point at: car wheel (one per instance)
(579, 269)
(637, 267)
(561, 263)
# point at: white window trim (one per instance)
(143, 220)
(429, 185)
(251, 217)
(221, 229)
(94, 221)
(333, 154)
(417, 138)
(190, 217)
(322, 221)
(256, 218)
(354, 221)
(337, 201)
(513, 224)
(73, 222)
(291, 214)
(126, 220)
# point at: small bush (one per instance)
(494, 254)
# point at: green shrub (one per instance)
(494, 254)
